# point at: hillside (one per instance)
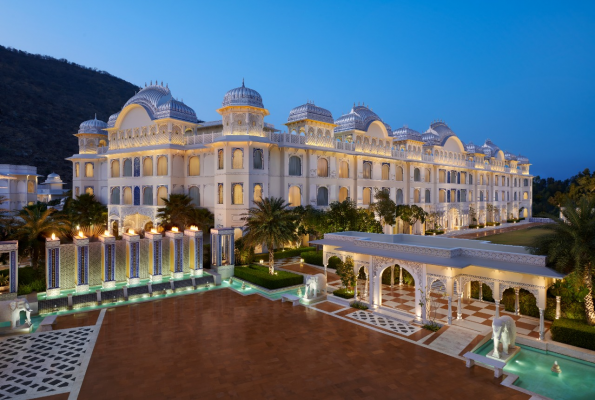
(42, 103)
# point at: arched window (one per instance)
(458, 196)
(442, 196)
(102, 143)
(344, 169)
(258, 159)
(219, 193)
(77, 170)
(115, 168)
(428, 198)
(515, 196)
(127, 195)
(367, 170)
(463, 178)
(481, 196)
(237, 194)
(322, 196)
(427, 175)
(237, 159)
(194, 194)
(496, 180)
(323, 167)
(137, 167)
(525, 182)
(399, 196)
(441, 176)
(257, 192)
(295, 196)
(220, 159)
(525, 195)
(496, 195)
(161, 166)
(148, 196)
(30, 187)
(385, 172)
(161, 195)
(343, 194)
(295, 166)
(416, 196)
(148, 167)
(127, 167)
(115, 198)
(416, 175)
(399, 173)
(458, 177)
(194, 166)
(448, 200)
(367, 195)
(89, 170)
(470, 179)
(89, 190)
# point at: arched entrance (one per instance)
(115, 230)
(136, 221)
(405, 298)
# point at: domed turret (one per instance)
(360, 118)
(312, 112)
(93, 126)
(242, 96)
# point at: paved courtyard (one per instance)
(220, 344)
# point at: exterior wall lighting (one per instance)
(53, 236)
(153, 230)
(106, 233)
(262, 261)
(81, 234)
(131, 231)
(194, 228)
(174, 229)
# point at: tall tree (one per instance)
(87, 212)
(177, 211)
(202, 218)
(570, 246)
(384, 207)
(271, 222)
(38, 224)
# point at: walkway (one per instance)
(492, 230)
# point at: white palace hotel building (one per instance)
(155, 145)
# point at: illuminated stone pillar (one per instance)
(449, 319)
(517, 307)
(222, 251)
(541, 324)
(81, 274)
(459, 306)
(155, 254)
(497, 315)
(400, 276)
(558, 310)
(392, 276)
(52, 267)
(176, 253)
(108, 261)
(132, 257)
(195, 250)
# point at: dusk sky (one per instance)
(519, 73)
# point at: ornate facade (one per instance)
(156, 145)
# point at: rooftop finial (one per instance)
(161, 83)
(167, 85)
(151, 82)
(145, 84)
(243, 82)
(96, 116)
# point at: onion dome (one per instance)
(159, 103)
(53, 178)
(471, 148)
(522, 159)
(93, 126)
(112, 120)
(312, 112)
(509, 156)
(489, 148)
(442, 131)
(406, 133)
(242, 96)
(360, 118)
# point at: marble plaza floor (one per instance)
(221, 344)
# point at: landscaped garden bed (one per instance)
(280, 254)
(259, 275)
(344, 293)
(573, 332)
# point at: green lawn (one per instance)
(523, 237)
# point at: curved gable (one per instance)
(133, 116)
(378, 130)
(453, 143)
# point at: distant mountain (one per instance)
(42, 103)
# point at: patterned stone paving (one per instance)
(394, 325)
(42, 363)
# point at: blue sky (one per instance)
(519, 73)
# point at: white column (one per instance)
(481, 291)
(449, 319)
(195, 250)
(517, 308)
(459, 306)
(497, 314)
(366, 284)
(558, 310)
(392, 276)
(541, 324)
(400, 276)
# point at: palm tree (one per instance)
(177, 211)
(87, 212)
(38, 224)
(570, 246)
(272, 223)
(202, 218)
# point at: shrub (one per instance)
(521, 219)
(344, 293)
(486, 291)
(407, 278)
(312, 257)
(472, 226)
(482, 226)
(35, 286)
(497, 223)
(432, 326)
(359, 305)
(430, 232)
(280, 254)
(573, 332)
(439, 232)
(527, 302)
(334, 262)
(259, 275)
(490, 223)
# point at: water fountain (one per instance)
(556, 368)
(243, 285)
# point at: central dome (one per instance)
(360, 118)
(93, 126)
(243, 96)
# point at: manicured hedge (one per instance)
(312, 257)
(282, 254)
(333, 262)
(344, 293)
(259, 275)
(573, 332)
(431, 232)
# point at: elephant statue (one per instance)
(10, 310)
(311, 287)
(504, 331)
